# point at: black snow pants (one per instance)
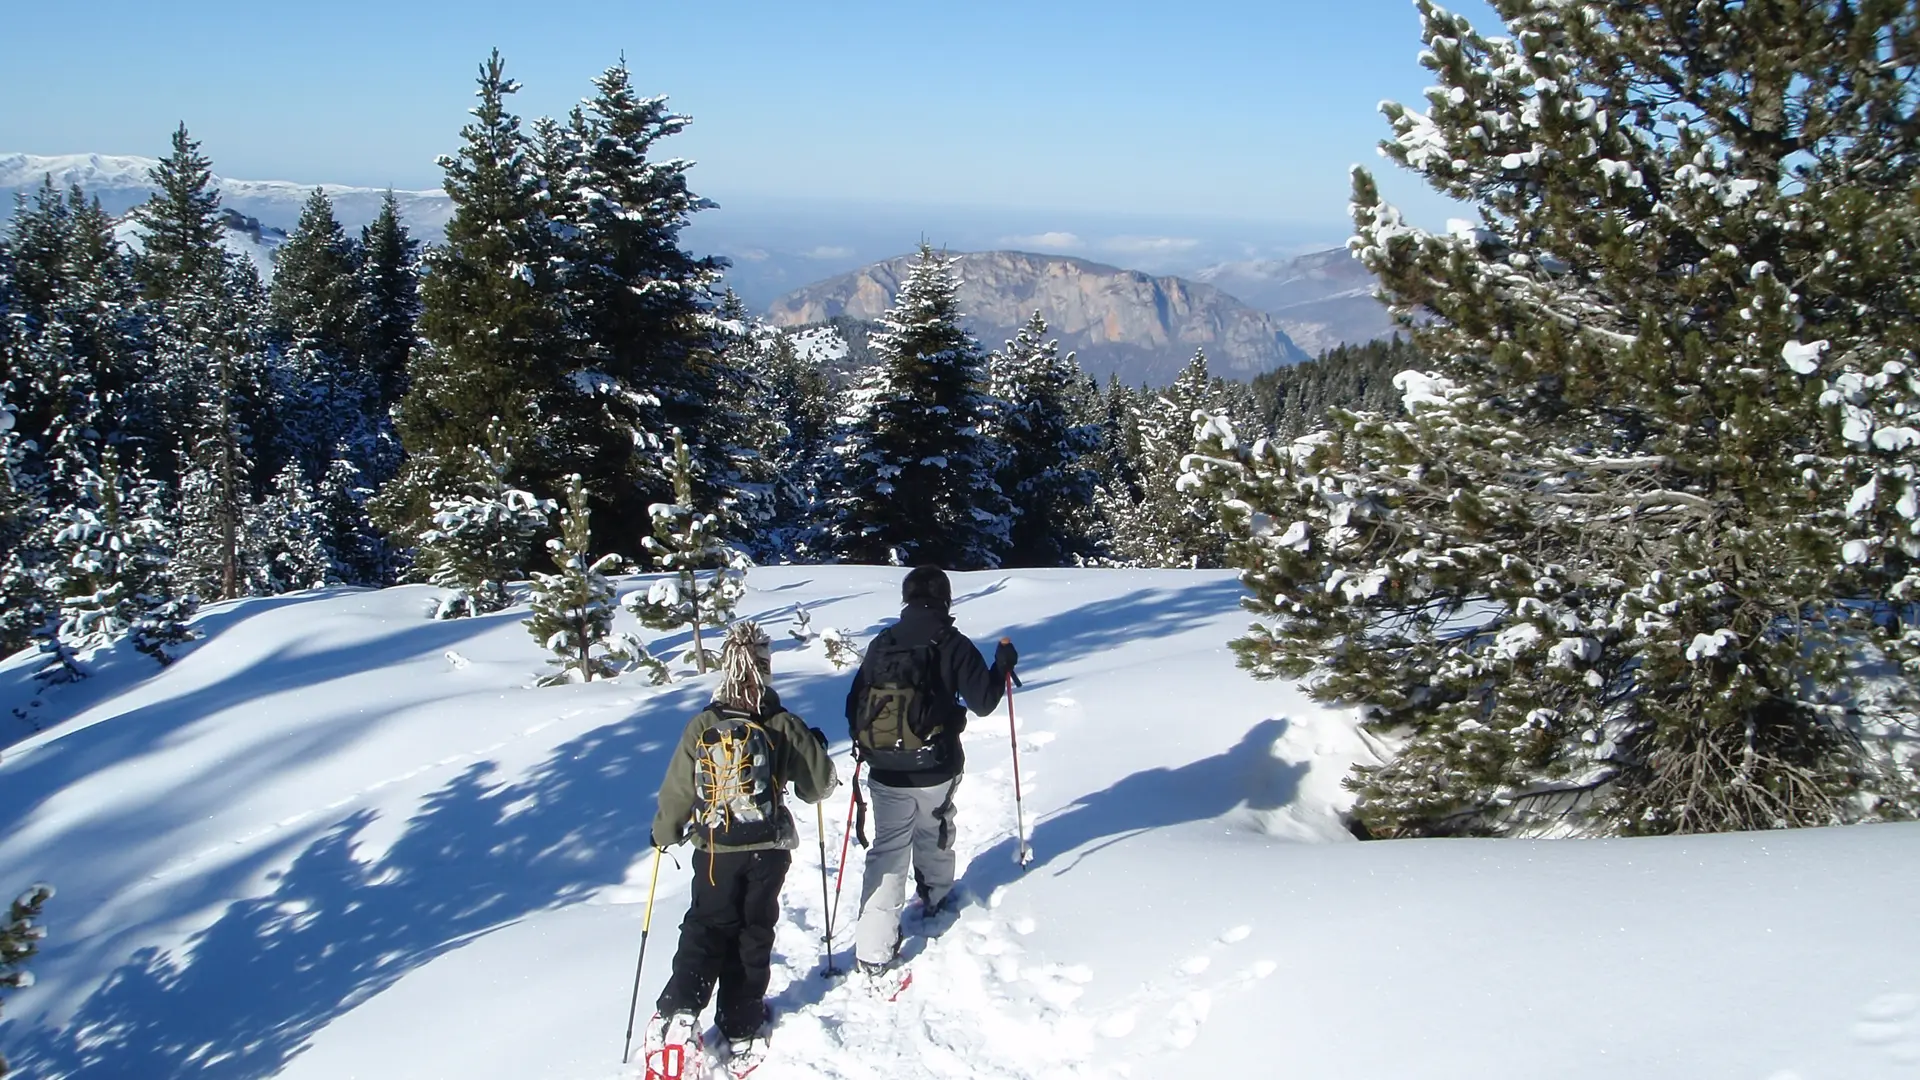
(727, 937)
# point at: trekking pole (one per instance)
(1022, 853)
(646, 926)
(826, 902)
(840, 877)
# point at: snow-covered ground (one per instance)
(340, 840)
(819, 345)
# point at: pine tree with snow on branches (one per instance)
(573, 608)
(1629, 560)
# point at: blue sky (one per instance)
(1243, 111)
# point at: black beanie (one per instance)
(927, 586)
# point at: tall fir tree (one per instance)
(645, 351)
(1046, 450)
(212, 351)
(180, 223)
(390, 283)
(334, 418)
(490, 323)
(316, 295)
(918, 483)
(1624, 563)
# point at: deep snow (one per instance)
(338, 839)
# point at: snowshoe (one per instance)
(746, 1055)
(885, 980)
(673, 1049)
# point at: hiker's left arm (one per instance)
(808, 765)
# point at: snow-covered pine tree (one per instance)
(1046, 466)
(917, 483)
(180, 224)
(573, 609)
(316, 295)
(1170, 523)
(112, 574)
(359, 553)
(289, 536)
(1605, 570)
(480, 540)
(333, 416)
(686, 543)
(20, 939)
(212, 349)
(490, 324)
(390, 283)
(23, 599)
(797, 402)
(643, 349)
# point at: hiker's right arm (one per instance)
(980, 686)
(676, 795)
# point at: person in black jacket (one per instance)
(913, 817)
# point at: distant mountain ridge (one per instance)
(1323, 299)
(1124, 322)
(120, 182)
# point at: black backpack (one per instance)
(898, 726)
(736, 796)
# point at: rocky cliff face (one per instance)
(1143, 328)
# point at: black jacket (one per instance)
(961, 673)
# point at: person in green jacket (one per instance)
(724, 790)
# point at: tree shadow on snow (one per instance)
(1105, 624)
(1244, 775)
(241, 998)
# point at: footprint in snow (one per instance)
(1186, 1017)
(1033, 742)
(457, 660)
(1892, 1022)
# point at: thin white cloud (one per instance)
(1054, 240)
(828, 252)
(1149, 245)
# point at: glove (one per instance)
(664, 840)
(819, 735)
(1005, 656)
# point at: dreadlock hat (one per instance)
(746, 661)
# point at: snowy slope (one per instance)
(340, 840)
(257, 245)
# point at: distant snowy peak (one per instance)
(122, 181)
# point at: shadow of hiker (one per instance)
(1246, 774)
(243, 997)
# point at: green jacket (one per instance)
(800, 759)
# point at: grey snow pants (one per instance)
(912, 828)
